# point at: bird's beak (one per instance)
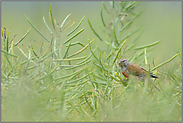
(120, 61)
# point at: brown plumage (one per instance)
(130, 68)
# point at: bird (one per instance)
(128, 69)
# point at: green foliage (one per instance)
(53, 84)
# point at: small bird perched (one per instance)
(128, 68)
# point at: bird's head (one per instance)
(123, 63)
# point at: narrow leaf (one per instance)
(76, 27)
(126, 26)
(51, 17)
(74, 35)
(63, 23)
(147, 46)
(105, 7)
(68, 22)
(128, 35)
(75, 73)
(36, 29)
(124, 83)
(73, 59)
(75, 43)
(115, 36)
(118, 52)
(66, 52)
(47, 25)
(81, 49)
(51, 71)
(102, 18)
(82, 77)
(165, 62)
(94, 30)
(79, 65)
(22, 38)
(86, 58)
(8, 53)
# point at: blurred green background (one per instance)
(161, 20)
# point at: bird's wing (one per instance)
(135, 69)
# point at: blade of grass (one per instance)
(101, 63)
(126, 26)
(51, 71)
(86, 58)
(145, 56)
(43, 58)
(68, 22)
(124, 83)
(105, 7)
(72, 24)
(113, 77)
(66, 52)
(8, 60)
(92, 51)
(100, 82)
(73, 59)
(7, 42)
(8, 53)
(165, 62)
(22, 38)
(112, 4)
(88, 102)
(75, 73)
(28, 60)
(122, 53)
(81, 49)
(128, 35)
(76, 27)
(81, 77)
(22, 51)
(147, 46)
(102, 18)
(63, 23)
(99, 77)
(75, 43)
(79, 65)
(13, 38)
(123, 4)
(36, 28)
(47, 25)
(34, 52)
(129, 23)
(74, 35)
(94, 30)
(115, 36)
(51, 17)
(130, 5)
(32, 67)
(118, 51)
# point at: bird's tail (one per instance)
(153, 75)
